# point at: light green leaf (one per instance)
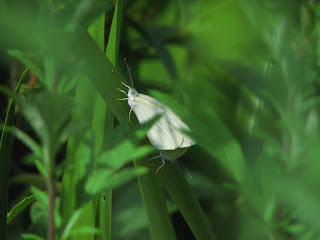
(19, 207)
(31, 236)
(103, 179)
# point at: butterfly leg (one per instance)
(154, 158)
(163, 163)
(122, 99)
(121, 91)
(130, 114)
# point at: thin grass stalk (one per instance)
(5, 154)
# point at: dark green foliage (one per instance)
(242, 74)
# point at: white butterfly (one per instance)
(168, 133)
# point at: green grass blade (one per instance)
(5, 153)
(185, 200)
(68, 199)
(88, 215)
(83, 110)
(153, 199)
(106, 119)
(115, 33)
(99, 127)
(105, 219)
(155, 205)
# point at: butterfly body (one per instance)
(168, 133)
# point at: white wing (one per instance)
(166, 133)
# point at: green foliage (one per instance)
(5, 154)
(19, 207)
(242, 74)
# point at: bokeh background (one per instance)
(244, 76)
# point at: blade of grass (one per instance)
(96, 30)
(155, 205)
(104, 210)
(99, 125)
(181, 193)
(83, 110)
(153, 199)
(115, 33)
(88, 215)
(5, 154)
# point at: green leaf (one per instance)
(43, 200)
(49, 70)
(132, 220)
(103, 179)
(123, 153)
(104, 209)
(83, 231)
(74, 229)
(112, 51)
(160, 224)
(49, 114)
(86, 12)
(26, 139)
(39, 219)
(181, 193)
(75, 165)
(31, 236)
(19, 207)
(72, 221)
(28, 62)
(41, 197)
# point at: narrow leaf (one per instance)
(19, 207)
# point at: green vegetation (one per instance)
(242, 74)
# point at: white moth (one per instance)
(167, 134)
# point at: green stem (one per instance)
(51, 192)
(51, 227)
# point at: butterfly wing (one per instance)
(166, 133)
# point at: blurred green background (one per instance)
(242, 74)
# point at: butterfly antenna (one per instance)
(125, 60)
(116, 73)
(113, 71)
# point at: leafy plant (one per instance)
(242, 74)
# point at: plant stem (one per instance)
(51, 191)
